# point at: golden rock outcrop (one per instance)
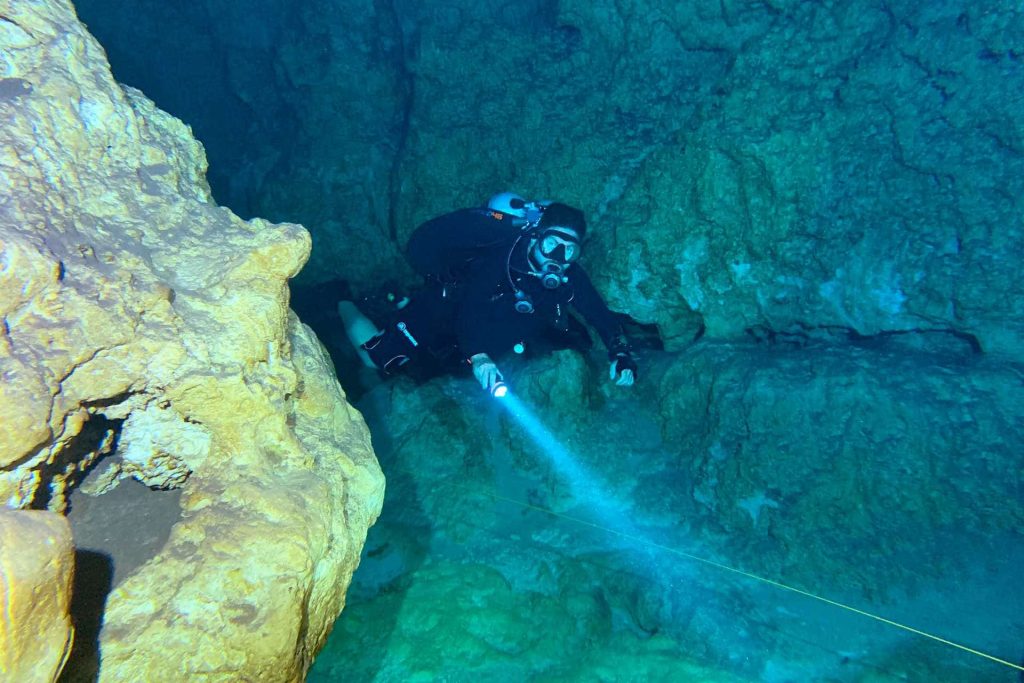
(36, 565)
(130, 300)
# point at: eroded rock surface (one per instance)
(891, 456)
(782, 165)
(130, 300)
(36, 566)
(870, 475)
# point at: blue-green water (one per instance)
(817, 206)
(487, 564)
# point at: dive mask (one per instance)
(560, 245)
(553, 252)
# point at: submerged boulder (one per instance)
(36, 565)
(141, 320)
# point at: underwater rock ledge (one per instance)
(131, 301)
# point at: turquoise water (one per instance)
(817, 206)
(488, 564)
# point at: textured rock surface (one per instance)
(857, 169)
(782, 454)
(784, 165)
(887, 480)
(133, 307)
(887, 455)
(459, 586)
(467, 620)
(36, 565)
(777, 165)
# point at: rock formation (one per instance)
(779, 165)
(138, 314)
(36, 564)
(827, 195)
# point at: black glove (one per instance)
(623, 368)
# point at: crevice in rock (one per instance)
(106, 402)
(114, 533)
(97, 437)
(92, 584)
(7, 19)
(643, 336)
(938, 340)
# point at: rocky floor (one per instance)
(493, 559)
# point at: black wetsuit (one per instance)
(475, 262)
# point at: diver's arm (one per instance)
(586, 300)
(595, 311)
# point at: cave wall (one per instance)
(299, 106)
(747, 165)
(868, 468)
(782, 166)
(138, 314)
(776, 173)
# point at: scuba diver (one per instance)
(497, 280)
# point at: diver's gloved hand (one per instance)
(623, 369)
(485, 371)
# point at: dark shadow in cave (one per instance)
(98, 435)
(115, 533)
(159, 46)
(937, 341)
(92, 585)
(130, 523)
(317, 306)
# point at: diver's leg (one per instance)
(359, 330)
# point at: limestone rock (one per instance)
(817, 190)
(133, 306)
(36, 565)
(791, 453)
(159, 448)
